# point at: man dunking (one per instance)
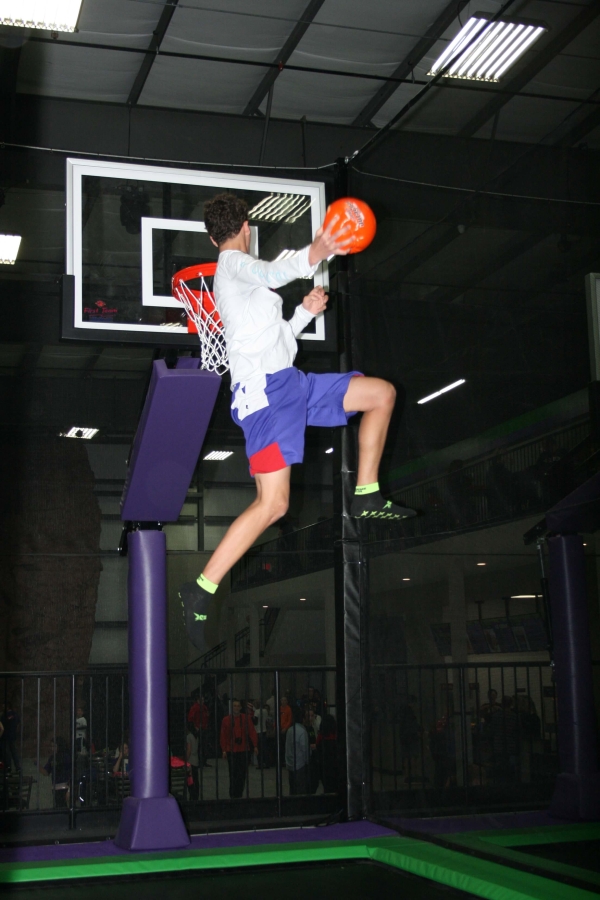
(272, 400)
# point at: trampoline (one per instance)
(356, 860)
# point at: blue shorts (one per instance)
(275, 435)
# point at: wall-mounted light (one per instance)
(9, 247)
(484, 50)
(47, 15)
(441, 391)
(84, 434)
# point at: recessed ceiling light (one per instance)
(9, 244)
(330, 450)
(265, 605)
(441, 391)
(302, 599)
(280, 208)
(85, 434)
(482, 564)
(406, 579)
(49, 15)
(216, 455)
(484, 50)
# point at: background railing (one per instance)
(66, 748)
(522, 480)
(462, 736)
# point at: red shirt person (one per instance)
(237, 735)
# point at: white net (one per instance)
(200, 308)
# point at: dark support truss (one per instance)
(414, 57)
(157, 39)
(549, 51)
(282, 57)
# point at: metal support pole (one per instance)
(151, 819)
(351, 592)
(577, 791)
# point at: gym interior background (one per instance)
(487, 198)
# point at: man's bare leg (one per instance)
(272, 500)
(375, 398)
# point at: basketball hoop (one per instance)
(203, 316)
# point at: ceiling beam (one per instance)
(548, 51)
(582, 128)
(413, 58)
(148, 61)
(515, 247)
(282, 57)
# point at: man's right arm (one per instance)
(244, 268)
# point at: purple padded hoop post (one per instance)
(168, 441)
(165, 451)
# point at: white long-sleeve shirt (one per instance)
(259, 340)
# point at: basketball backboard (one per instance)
(131, 227)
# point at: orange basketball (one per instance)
(357, 217)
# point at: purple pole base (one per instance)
(151, 823)
(577, 791)
(151, 819)
(577, 797)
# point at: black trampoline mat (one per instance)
(582, 854)
(353, 880)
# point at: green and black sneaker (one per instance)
(374, 506)
(195, 602)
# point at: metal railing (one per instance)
(67, 750)
(462, 736)
(515, 482)
(306, 550)
(518, 481)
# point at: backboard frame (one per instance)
(73, 325)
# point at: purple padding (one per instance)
(352, 831)
(486, 822)
(148, 691)
(168, 441)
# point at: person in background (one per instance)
(313, 765)
(297, 754)
(198, 717)
(237, 733)
(327, 753)
(285, 721)
(262, 716)
(121, 766)
(80, 732)
(58, 768)
(191, 757)
(9, 723)
(317, 718)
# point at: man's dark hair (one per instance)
(224, 216)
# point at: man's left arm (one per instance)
(314, 303)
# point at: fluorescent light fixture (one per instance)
(441, 391)
(330, 450)
(265, 605)
(218, 455)
(523, 596)
(9, 247)
(280, 208)
(484, 50)
(85, 434)
(48, 15)
(285, 254)
(482, 564)
(302, 599)
(406, 579)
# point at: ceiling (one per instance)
(336, 61)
